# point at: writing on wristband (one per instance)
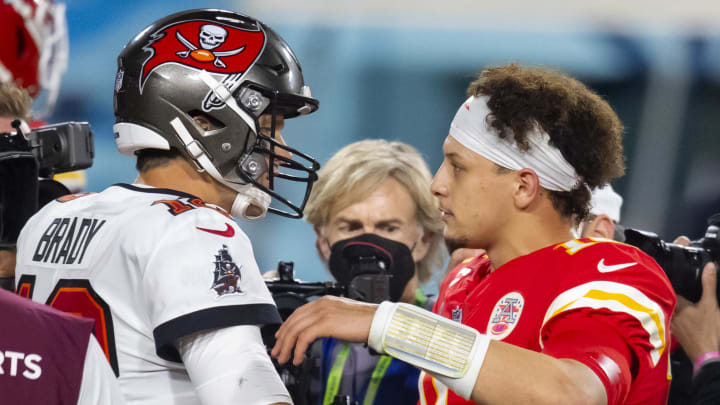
(704, 358)
(426, 340)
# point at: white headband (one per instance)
(470, 128)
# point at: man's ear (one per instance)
(527, 188)
(321, 244)
(600, 227)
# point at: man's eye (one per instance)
(390, 228)
(348, 228)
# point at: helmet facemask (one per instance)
(264, 151)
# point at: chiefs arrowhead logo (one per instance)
(203, 45)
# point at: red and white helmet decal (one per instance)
(204, 45)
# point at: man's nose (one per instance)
(438, 187)
(281, 151)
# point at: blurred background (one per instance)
(398, 70)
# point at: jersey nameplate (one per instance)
(66, 240)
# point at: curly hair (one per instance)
(580, 124)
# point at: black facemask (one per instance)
(372, 268)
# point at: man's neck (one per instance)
(528, 234)
(180, 175)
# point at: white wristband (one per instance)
(452, 352)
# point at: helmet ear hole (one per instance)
(205, 121)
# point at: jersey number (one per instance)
(77, 297)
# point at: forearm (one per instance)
(512, 375)
(475, 367)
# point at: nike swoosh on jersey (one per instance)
(229, 232)
(607, 268)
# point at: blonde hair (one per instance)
(14, 101)
(356, 170)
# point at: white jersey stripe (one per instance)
(619, 298)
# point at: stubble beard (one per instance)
(453, 244)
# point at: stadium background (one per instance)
(398, 70)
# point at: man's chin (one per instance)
(455, 243)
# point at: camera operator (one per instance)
(18, 172)
(374, 194)
(696, 326)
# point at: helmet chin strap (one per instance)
(248, 199)
(248, 196)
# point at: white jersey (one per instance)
(150, 266)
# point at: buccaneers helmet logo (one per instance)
(203, 45)
(226, 274)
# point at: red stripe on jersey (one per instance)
(429, 391)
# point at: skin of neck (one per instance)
(181, 175)
(532, 227)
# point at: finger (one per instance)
(292, 330)
(284, 345)
(682, 240)
(270, 275)
(709, 285)
(304, 341)
(282, 335)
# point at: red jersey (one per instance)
(603, 303)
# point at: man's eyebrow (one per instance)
(348, 220)
(453, 155)
(391, 221)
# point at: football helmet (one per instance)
(231, 69)
(35, 49)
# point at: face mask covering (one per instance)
(372, 268)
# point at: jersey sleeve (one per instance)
(612, 314)
(231, 366)
(604, 351)
(202, 275)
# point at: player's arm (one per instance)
(493, 372)
(207, 301)
(230, 366)
(99, 385)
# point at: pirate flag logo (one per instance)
(226, 274)
(204, 45)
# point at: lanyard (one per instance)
(333, 382)
(377, 376)
(420, 298)
(335, 375)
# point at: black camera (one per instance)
(682, 264)
(289, 294)
(61, 147)
(38, 153)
